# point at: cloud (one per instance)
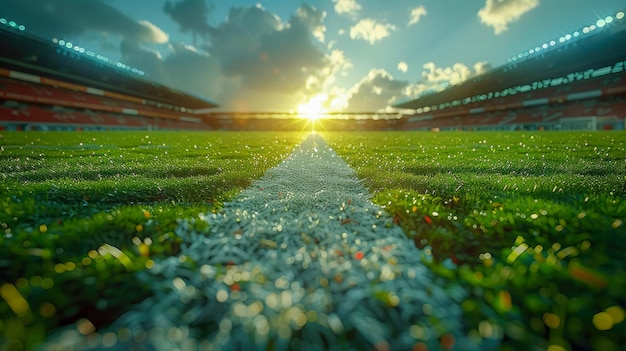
(72, 19)
(370, 30)
(403, 67)
(153, 34)
(252, 61)
(438, 78)
(191, 16)
(346, 6)
(455, 74)
(313, 19)
(499, 13)
(416, 14)
(481, 67)
(374, 92)
(265, 53)
(379, 90)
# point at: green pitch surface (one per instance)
(64, 195)
(530, 224)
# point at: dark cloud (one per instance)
(267, 54)
(376, 91)
(184, 68)
(191, 16)
(194, 71)
(70, 18)
(149, 61)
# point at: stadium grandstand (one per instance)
(56, 85)
(577, 81)
(574, 82)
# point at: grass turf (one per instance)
(82, 212)
(529, 223)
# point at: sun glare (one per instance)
(314, 108)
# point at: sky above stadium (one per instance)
(320, 55)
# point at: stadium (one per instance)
(548, 87)
(483, 215)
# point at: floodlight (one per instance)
(561, 40)
(592, 27)
(21, 27)
(545, 46)
(568, 37)
(69, 45)
(81, 50)
(552, 43)
(3, 21)
(576, 33)
(62, 42)
(619, 15)
(12, 24)
(608, 19)
(586, 30)
(600, 23)
(537, 49)
(76, 48)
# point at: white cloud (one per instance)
(346, 6)
(455, 74)
(438, 78)
(499, 13)
(481, 67)
(323, 79)
(370, 30)
(403, 67)
(416, 14)
(153, 33)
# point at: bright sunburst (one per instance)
(314, 108)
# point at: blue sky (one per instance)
(358, 55)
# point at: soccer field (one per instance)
(528, 226)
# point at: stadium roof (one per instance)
(20, 51)
(592, 51)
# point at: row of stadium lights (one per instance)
(69, 45)
(12, 24)
(76, 48)
(599, 24)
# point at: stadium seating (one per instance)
(599, 94)
(36, 93)
(37, 106)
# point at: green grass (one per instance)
(531, 224)
(81, 213)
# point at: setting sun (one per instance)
(314, 108)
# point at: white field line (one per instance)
(300, 260)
